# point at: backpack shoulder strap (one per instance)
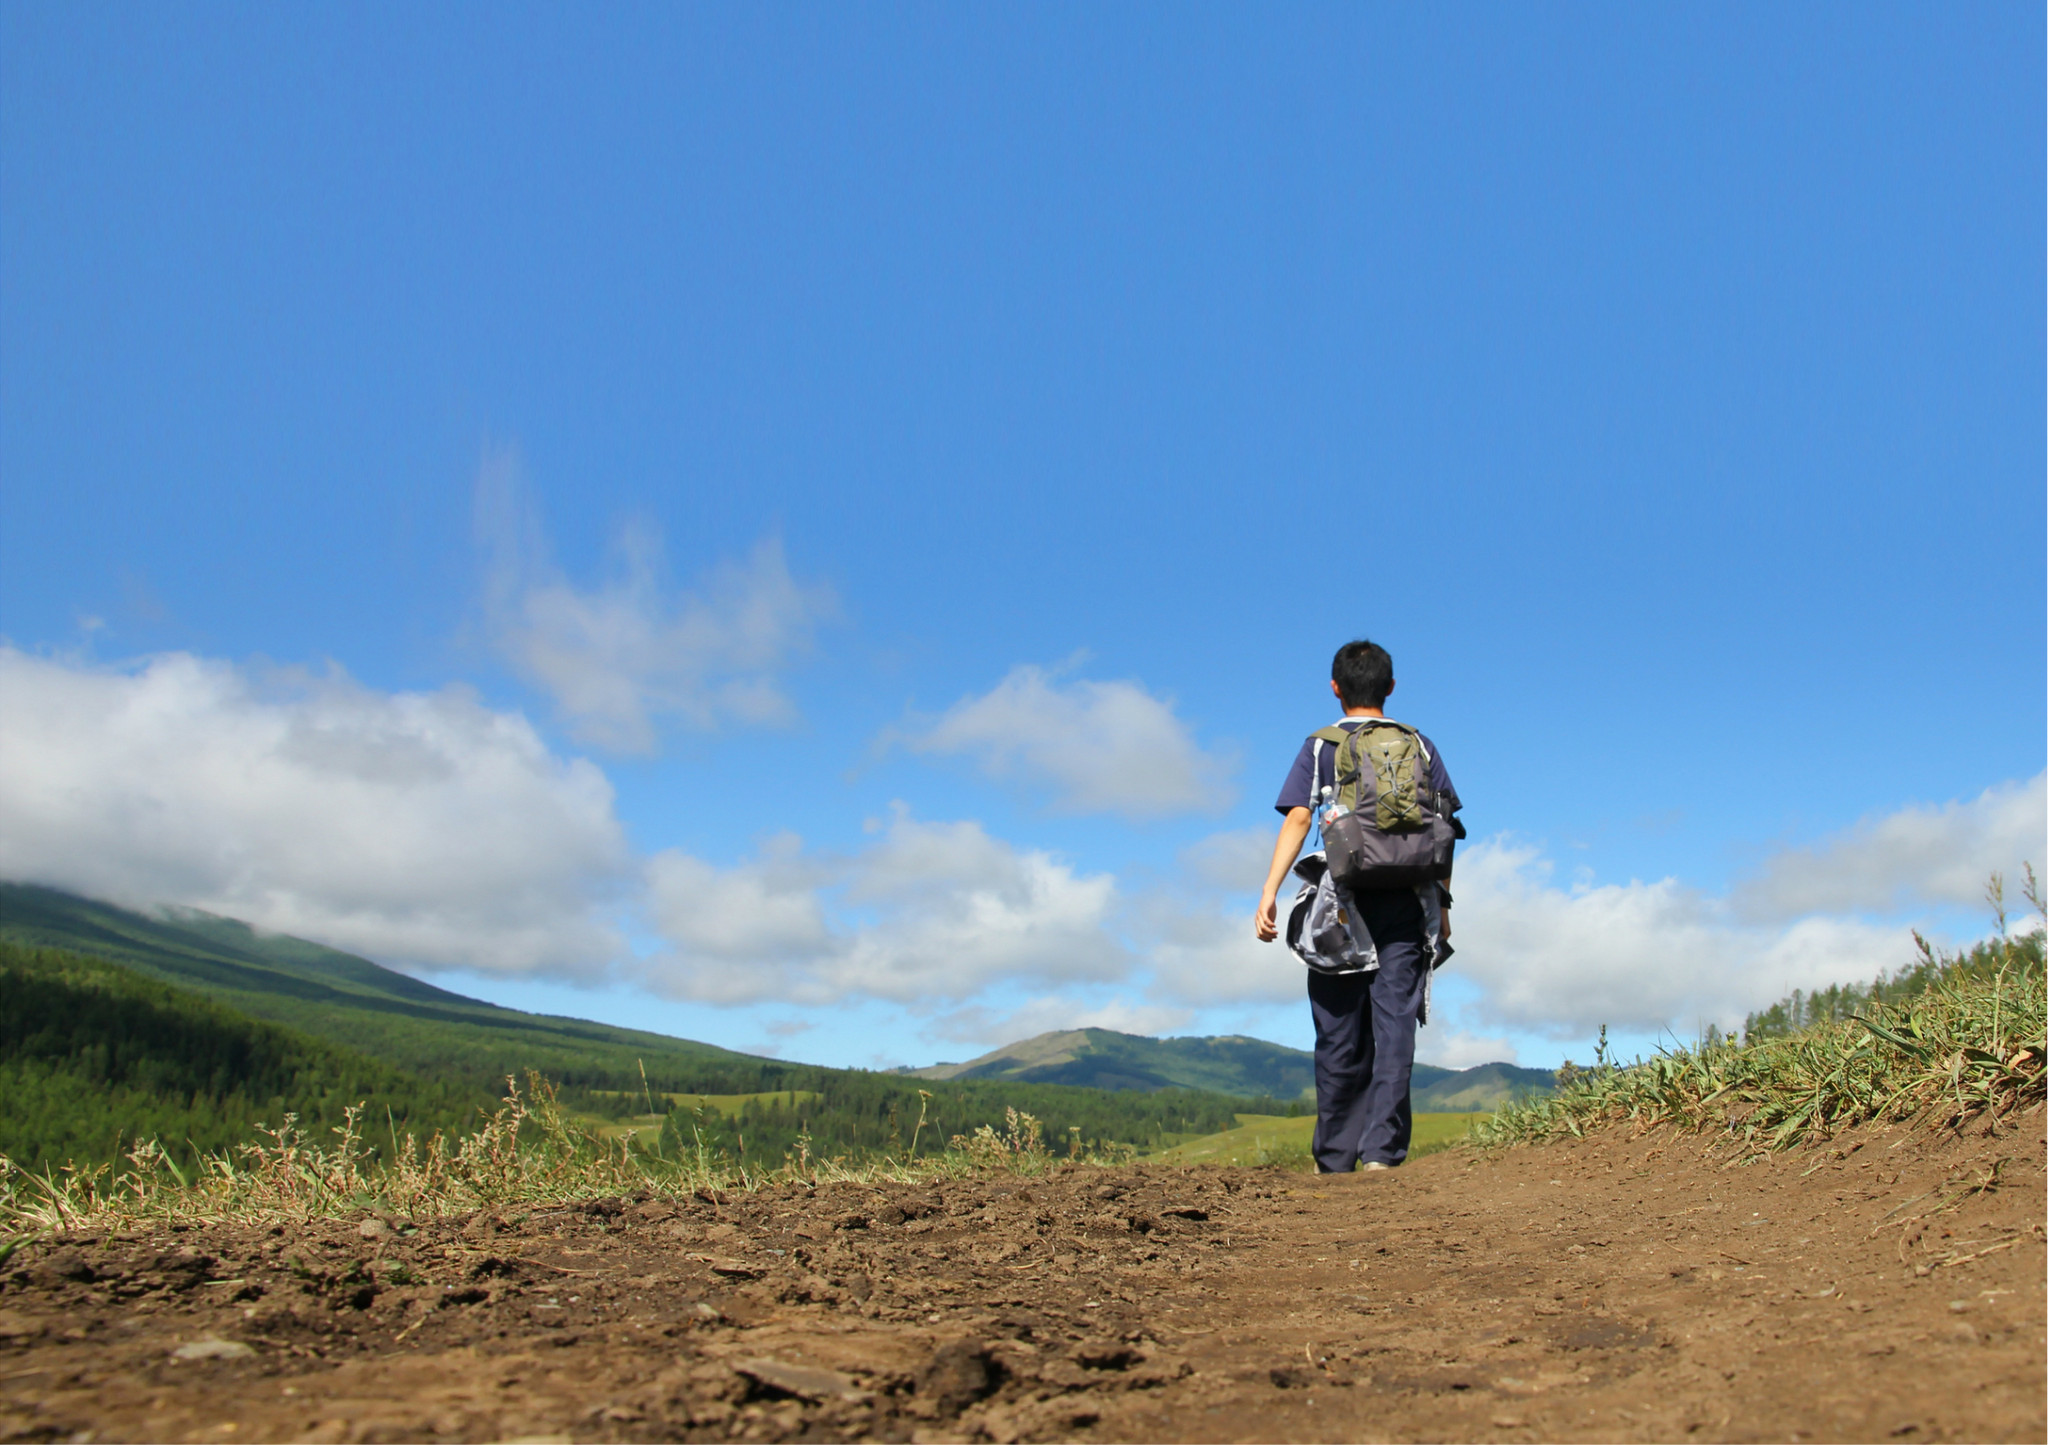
(1345, 740)
(1315, 774)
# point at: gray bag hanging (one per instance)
(1323, 926)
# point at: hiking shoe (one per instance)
(1375, 1164)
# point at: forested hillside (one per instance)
(95, 1057)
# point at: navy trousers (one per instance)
(1365, 1039)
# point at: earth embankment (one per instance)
(1885, 1286)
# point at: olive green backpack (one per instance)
(1382, 821)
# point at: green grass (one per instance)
(725, 1106)
(1966, 1048)
(1274, 1139)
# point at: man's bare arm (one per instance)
(1285, 850)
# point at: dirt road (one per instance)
(1608, 1290)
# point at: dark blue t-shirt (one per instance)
(1296, 792)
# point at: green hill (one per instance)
(1487, 1086)
(1231, 1064)
(434, 1048)
(361, 1005)
(1106, 1059)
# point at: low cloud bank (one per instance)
(422, 827)
(1639, 956)
(430, 830)
(1456, 1049)
(1559, 961)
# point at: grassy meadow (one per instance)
(722, 1106)
(1276, 1139)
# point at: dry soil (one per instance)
(1888, 1286)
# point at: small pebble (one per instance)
(212, 1348)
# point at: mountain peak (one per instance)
(1226, 1063)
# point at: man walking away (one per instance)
(1366, 1007)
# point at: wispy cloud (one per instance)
(1907, 859)
(417, 827)
(619, 658)
(1095, 747)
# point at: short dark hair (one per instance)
(1363, 672)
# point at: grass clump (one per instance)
(1958, 1038)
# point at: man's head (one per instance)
(1362, 673)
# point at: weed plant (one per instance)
(1959, 1039)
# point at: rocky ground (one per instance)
(1888, 1286)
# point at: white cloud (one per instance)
(1636, 956)
(1911, 858)
(619, 658)
(430, 829)
(930, 912)
(421, 827)
(1456, 1049)
(1100, 747)
(760, 914)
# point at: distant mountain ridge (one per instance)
(1106, 1059)
(1225, 1064)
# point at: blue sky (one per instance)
(821, 529)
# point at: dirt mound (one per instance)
(1885, 1287)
